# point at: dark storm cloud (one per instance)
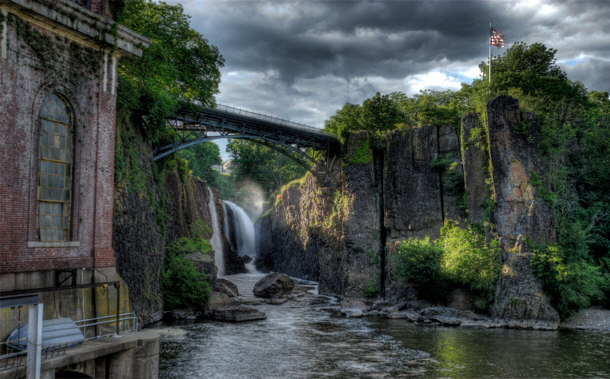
(347, 39)
(303, 60)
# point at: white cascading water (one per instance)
(241, 233)
(216, 242)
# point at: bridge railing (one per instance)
(267, 118)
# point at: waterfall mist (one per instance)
(251, 197)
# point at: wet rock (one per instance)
(227, 287)
(353, 308)
(409, 315)
(222, 308)
(276, 300)
(235, 313)
(246, 259)
(273, 285)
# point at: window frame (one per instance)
(51, 128)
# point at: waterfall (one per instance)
(216, 241)
(239, 229)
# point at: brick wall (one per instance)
(37, 63)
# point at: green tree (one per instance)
(262, 164)
(201, 158)
(379, 113)
(179, 65)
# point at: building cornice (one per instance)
(77, 19)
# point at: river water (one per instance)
(301, 339)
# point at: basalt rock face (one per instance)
(412, 189)
(360, 207)
(421, 188)
(476, 170)
(520, 215)
(292, 238)
(138, 241)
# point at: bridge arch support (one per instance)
(314, 149)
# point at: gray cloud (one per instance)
(303, 59)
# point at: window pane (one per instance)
(55, 170)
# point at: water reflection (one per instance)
(299, 339)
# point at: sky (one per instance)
(303, 60)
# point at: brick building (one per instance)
(58, 80)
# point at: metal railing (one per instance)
(13, 358)
(267, 118)
(127, 322)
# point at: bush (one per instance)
(460, 257)
(470, 261)
(182, 285)
(190, 245)
(569, 285)
(372, 289)
(418, 262)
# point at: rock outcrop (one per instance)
(421, 189)
(273, 286)
(520, 215)
(476, 170)
(147, 217)
(408, 188)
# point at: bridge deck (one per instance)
(225, 118)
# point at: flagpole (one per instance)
(489, 41)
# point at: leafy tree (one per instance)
(379, 113)
(179, 65)
(201, 158)
(262, 164)
(182, 285)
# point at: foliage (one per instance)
(182, 285)
(460, 257)
(199, 229)
(186, 245)
(469, 260)
(262, 165)
(201, 157)
(418, 262)
(371, 289)
(179, 65)
(360, 154)
(569, 285)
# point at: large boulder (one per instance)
(273, 285)
(227, 287)
(222, 308)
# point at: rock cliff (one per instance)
(520, 215)
(152, 208)
(408, 187)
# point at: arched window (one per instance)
(55, 170)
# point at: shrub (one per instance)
(569, 285)
(470, 261)
(199, 229)
(190, 245)
(182, 284)
(418, 262)
(372, 289)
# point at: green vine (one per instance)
(50, 53)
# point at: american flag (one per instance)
(496, 38)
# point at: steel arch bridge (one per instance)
(314, 149)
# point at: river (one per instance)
(301, 339)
